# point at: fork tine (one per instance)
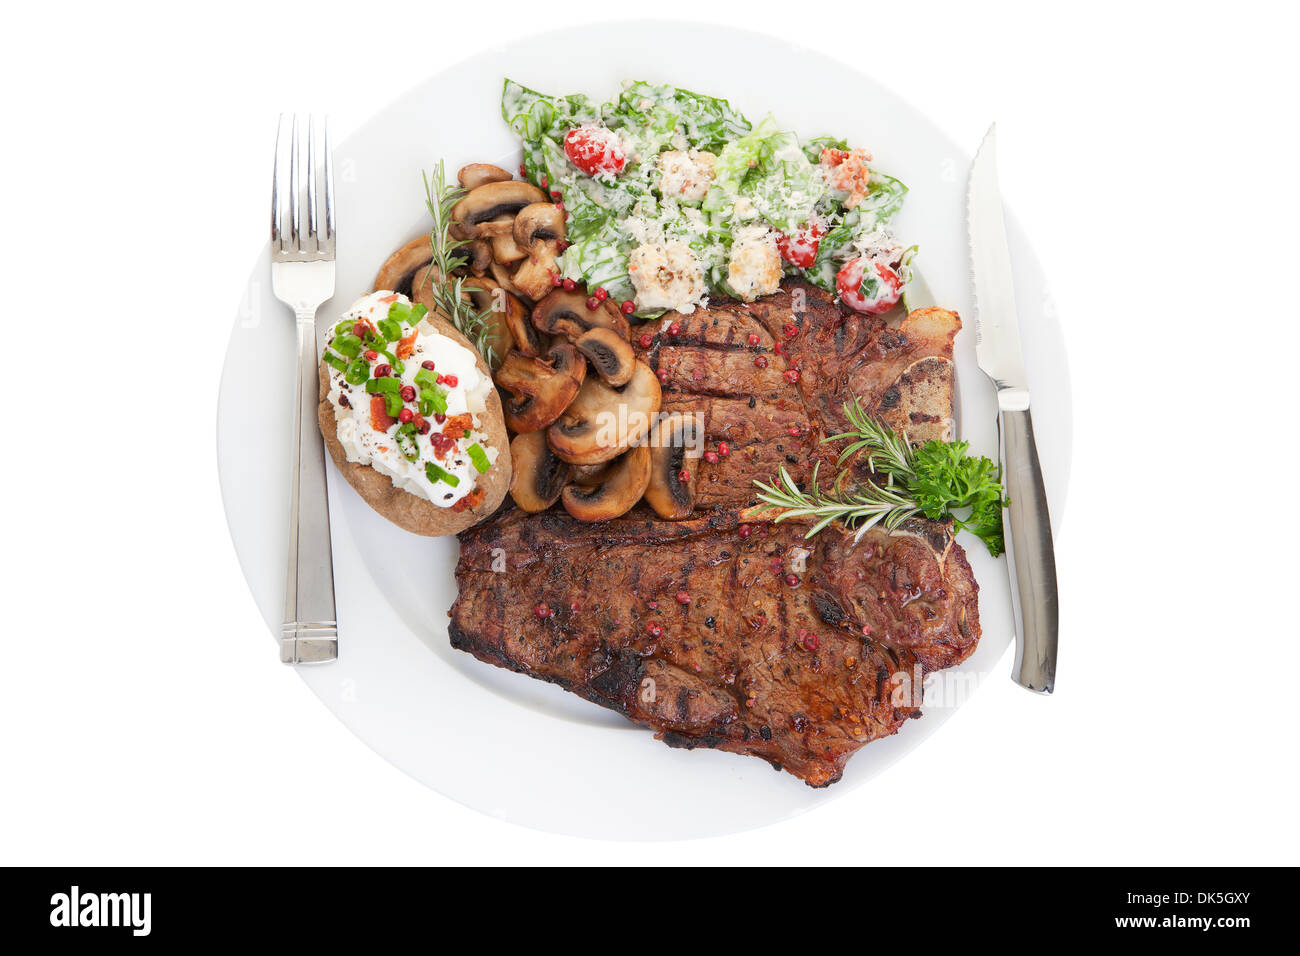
(329, 186)
(275, 188)
(311, 179)
(295, 202)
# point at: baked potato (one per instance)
(411, 419)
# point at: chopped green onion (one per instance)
(391, 389)
(410, 314)
(406, 442)
(433, 401)
(434, 473)
(347, 344)
(479, 457)
(398, 365)
(336, 361)
(358, 371)
(344, 326)
(426, 378)
(390, 329)
(384, 386)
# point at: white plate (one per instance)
(502, 743)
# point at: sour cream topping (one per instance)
(446, 444)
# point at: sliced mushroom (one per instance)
(539, 229)
(535, 274)
(509, 315)
(602, 421)
(477, 255)
(623, 486)
(676, 444)
(512, 316)
(501, 274)
(588, 476)
(539, 222)
(515, 316)
(540, 388)
(396, 273)
(538, 477)
(609, 354)
(483, 207)
(487, 295)
(506, 250)
(566, 313)
(499, 227)
(480, 174)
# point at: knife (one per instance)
(997, 347)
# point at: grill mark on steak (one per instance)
(731, 670)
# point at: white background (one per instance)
(1149, 150)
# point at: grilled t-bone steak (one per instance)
(744, 636)
(903, 375)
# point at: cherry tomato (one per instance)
(868, 285)
(800, 247)
(595, 150)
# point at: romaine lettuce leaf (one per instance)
(768, 168)
(532, 115)
(599, 259)
(884, 196)
(656, 112)
(813, 147)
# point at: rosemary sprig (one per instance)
(448, 291)
(862, 507)
(887, 452)
(936, 480)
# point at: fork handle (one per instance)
(310, 632)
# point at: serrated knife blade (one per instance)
(1030, 554)
(997, 328)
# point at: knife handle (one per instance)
(1030, 554)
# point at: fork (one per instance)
(302, 276)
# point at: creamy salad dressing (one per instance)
(366, 445)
